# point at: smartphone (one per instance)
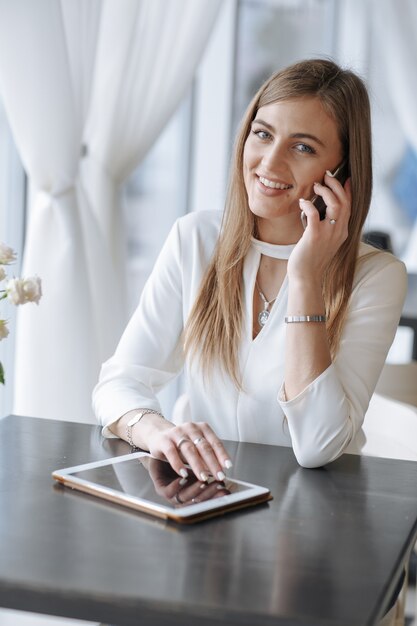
(341, 173)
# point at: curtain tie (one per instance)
(46, 196)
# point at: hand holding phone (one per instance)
(341, 173)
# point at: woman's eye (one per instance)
(262, 134)
(303, 147)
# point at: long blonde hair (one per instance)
(214, 328)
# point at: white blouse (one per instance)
(321, 421)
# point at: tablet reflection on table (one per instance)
(179, 491)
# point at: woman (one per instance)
(282, 325)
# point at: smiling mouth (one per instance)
(273, 185)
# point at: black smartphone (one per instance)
(341, 174)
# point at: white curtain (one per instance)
(396, 24)
(72, 75)
(42, 85)
(146, 56)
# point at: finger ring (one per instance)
(198, 440)
(178, 499)
(181, 441)
(333, 221)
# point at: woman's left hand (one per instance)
(321, 238)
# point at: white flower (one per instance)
(7, 255)
(22, 290)
(32, 287)
(14, 290)
(4, 331)
(17, 290)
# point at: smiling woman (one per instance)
(290, 145)
(282, 331)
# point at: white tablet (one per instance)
(141, 482)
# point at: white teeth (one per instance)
(270, 183)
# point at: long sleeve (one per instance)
(325, 417)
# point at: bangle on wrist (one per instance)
(134, 420)
(295, 319)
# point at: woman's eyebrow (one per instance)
(293, 135)
(259, 121)
(307, 136)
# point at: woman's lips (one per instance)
(274, 184)
(270, 187)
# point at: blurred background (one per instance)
(118, 116)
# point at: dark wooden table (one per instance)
(409, 314)
(327, 550)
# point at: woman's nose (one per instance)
(275, 156)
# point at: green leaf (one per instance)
(1, 374)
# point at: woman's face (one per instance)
(289, 147)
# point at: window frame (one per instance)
(13, 193)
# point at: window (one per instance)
(272, 34)
(154, 196)
(12, 217)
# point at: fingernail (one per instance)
(204, 476)
(220, 476)
(329, 173)
(316, 185)
(183, 481)
(220, 487)
(302, 201)
(203, 486)
(183, 472)
(228, 464)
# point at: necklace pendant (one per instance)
(263, 317)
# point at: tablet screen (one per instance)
(153, 480)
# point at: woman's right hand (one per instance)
(192, 443)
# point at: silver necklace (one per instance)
(263, 315)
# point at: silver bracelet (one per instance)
(134, 420)
(294, 319)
